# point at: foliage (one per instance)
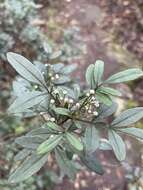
(73, 120)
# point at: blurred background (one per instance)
(83, 30)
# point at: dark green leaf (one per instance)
(31, 142)
(123, 76)
(104, 98)
(117, 144)
(128, 117)
(105, 111)
(66, 165)
(27, 168)
(25, 68)
(53, 126)
(49, 144)
(109, 91)
(28, 100)
(91, 139)
(92, 163)
(21, 155)
(62, 111)
(74, 141)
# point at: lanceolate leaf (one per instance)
(53, 126)
(74, 141)
(92, 163)
(105, 145)
(49, 144)
(117, 144)
(91, 139)
(25, 68)
(98, 71)
(28, 167)
(66, 165)
(104, 98)
(31, 142)
(124, 76)
(128, 117)
(105, 111)
(134, 132)
(62, 111)
(90, 76)
(22, 154)
(28, 100)
(108, 90)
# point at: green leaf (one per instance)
(105, 111)
(66, 165)
(123, 76)
(134, 132)
(43, 132)
(49, 144)
(128, 117)
(105, 145)
(91, 139)
(25, 68)
(27, 168)
(31, 142)
(92, 163)
(68, 69)
(117, 144)
(104, 98)
(109, 91)
(28, 100)
(21, 155)
(53, 126)
(74, 141)
(90, 76)
(98, 72)
(62, 111)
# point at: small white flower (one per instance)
(61, 98)
(46, 65)
(57, 76)
(50, 74)
(89, 111)
(95, 113)
(56, 91)
(51, 136)
(52, 101)
(77, 105)
(92, 91)
(71, 101)
(35, 86)
(65, 92)
(43, 73)
(66, 99)
(52, 78)
(52, 119)
(87, 94)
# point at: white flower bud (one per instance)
(35, 86)
(71, 101)
(43, 73)
(65, 92)
(52, 119)
(56, 91)
(95, 113)
(92, 91)
(61, 98)
(89, 111)
(50, 74)
(87, 94)
(66, 100)
(86, 107)
(51, 136)
(77, 105)
(52, 101)
(52, 78)
(57, 76)
(46, 65)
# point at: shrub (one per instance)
(73, 119)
